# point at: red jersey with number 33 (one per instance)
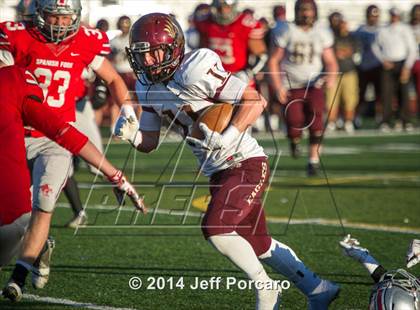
(57, 67)
(230, 42)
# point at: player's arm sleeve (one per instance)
(99, 47)
(64, 134)
(149, 119)
(256, 30)
(6, 47)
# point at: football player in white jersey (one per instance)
(181, 86)
(298, 56)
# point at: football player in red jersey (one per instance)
(22, 104)
(234, 36)
(56, 49)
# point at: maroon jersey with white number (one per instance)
(230, 42)
(56, 66)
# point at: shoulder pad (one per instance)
(195, 65)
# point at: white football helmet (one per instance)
(397, 290)
(57, 33)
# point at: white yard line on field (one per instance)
(70, 303)
(270, 219)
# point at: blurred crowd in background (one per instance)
(371, 90)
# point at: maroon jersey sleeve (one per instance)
(41, 117)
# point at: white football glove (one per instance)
(128, 129)
(351, 248)
(413, 253)
(127, 110)
(123, 188)
(214, 140)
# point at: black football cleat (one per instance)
(312, 170)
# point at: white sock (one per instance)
(284, 260)
(241, 253)
(314, 160)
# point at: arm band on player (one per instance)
(258, 63)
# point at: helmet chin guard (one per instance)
(57, 33)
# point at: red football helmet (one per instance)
(305, 18)
(150, 33)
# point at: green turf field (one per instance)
(370, 188)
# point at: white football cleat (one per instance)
(41, 267)
(79, 220)
(268, 299)
(351, 248)
(12, 291)
(324, 295)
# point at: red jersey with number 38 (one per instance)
(230, 42)
(57, 67)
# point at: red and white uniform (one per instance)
(58, 67)
(22, 104)
(230, 42)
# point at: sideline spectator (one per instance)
(345, 91)
(415, 24)
(396, 48)
(370, 68)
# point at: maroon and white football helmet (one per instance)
(150, 33)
